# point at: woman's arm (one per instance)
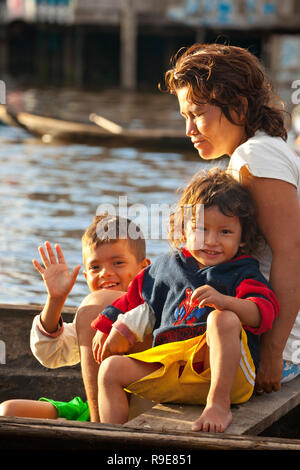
(279, 220)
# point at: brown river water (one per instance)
(52, 191)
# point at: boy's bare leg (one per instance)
(223, 338)
(91, 306)
(28, 409)
(117, 372)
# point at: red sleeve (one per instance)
(123, 304)
(133, 296)
(264, 298)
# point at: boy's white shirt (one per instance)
(58, 350)
(61, 349)
(140, 321)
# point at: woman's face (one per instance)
(211, 133)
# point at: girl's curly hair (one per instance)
(216, 188)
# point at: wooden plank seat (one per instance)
(250, 418)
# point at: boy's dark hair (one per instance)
(217, 188)
(107, 228)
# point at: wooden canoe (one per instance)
(165, 428)
(99, 131)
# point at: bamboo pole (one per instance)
(128, 38)
(3, 50)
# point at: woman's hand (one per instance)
(268, 378)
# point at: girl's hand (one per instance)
(55, 272)
(97, 345)
(207, 295)
(115, 344)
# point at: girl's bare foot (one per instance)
(215, 418)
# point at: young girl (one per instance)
(206, 304)
(230, 108)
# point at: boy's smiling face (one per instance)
(221, 238)
(111, 266)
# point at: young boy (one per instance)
(206, 305)
(110, 262)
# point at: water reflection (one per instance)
(133, 110)
(51, 192)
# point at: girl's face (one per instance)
(215, 241)
(212, 134)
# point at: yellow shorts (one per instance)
(173, 383)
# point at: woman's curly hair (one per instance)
(233, 79)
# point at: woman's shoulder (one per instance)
(262, 141)
(267, 156)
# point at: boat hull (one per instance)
(21, 375)
(50, 129)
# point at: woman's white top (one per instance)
(270, 157)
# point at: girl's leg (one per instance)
(223, 339)
(28, 409)
(115, 373)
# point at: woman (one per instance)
(227, 102)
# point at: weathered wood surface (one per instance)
(22, 376)
(31, 309)
(91, 133)
(25, 433)
(250, 418)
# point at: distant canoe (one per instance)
(49, 129)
